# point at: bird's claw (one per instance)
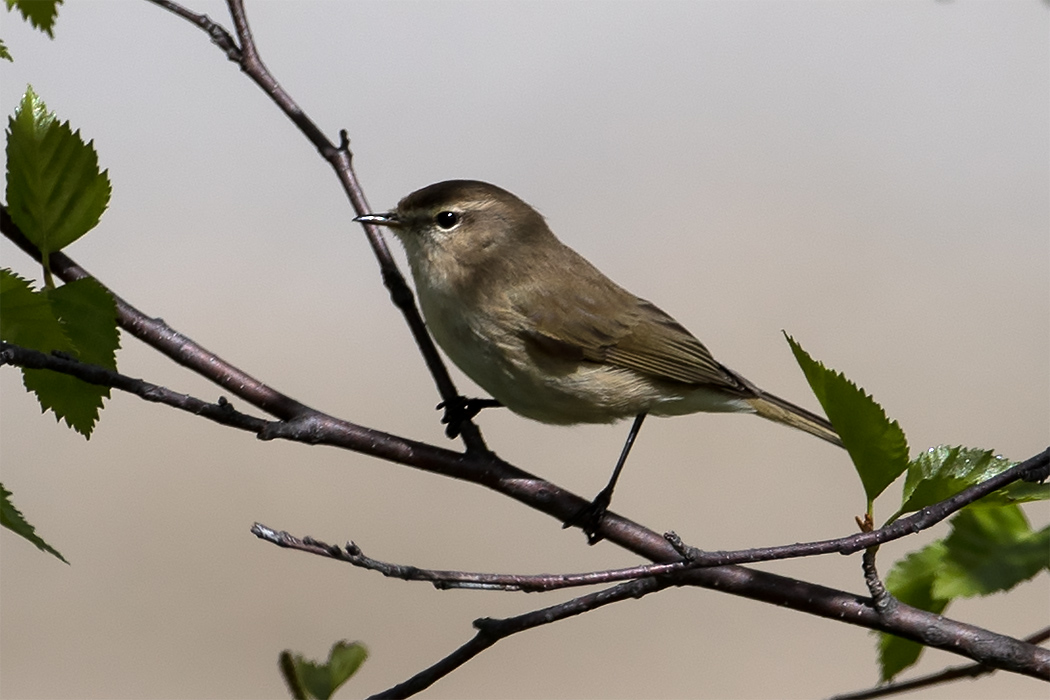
(590, 517)
(460, 410)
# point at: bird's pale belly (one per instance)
(560, 391)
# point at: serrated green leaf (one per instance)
(78, 319)
(40, 13)
(26, 317)
(4, 53)
(911, 581)
(72, 400)
(12, 519)
(1022, 492)
(990, 549)
(876, 444)
(943, 471)
(88, 315)
(55, 191)
(322, 680)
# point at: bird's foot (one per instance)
(460, 410)
(590, 517)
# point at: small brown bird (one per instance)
(547, 334)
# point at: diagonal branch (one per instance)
(339, 158)
(691, 557)
(315, 427)
(162, 337)
(488, 470)
(1032, 469)
(221, 412)
(491, 630)
(442, 580)
(951, 673)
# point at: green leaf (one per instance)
(71, 399)
(944, 471)
(40, 13)
(78, 319)
(876, 444)
(1021, 492)
(12, 519)
(4, 53)
(55, 192)
(309, 679)
(911, 581)
(26, 317)
(89, 316)
(991, 548)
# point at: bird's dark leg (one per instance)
(590, 517)
(460, 410)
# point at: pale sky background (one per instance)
(871, 177)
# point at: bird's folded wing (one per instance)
(614, 327)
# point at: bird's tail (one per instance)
(778, 410)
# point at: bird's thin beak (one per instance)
(387, 219)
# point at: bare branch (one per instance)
(340, 158)
(219, 36)
(881, 598)
(1032, 469)
(949, 674)
(160, 336)
(491, 630)
(527, 583)
(220, 412)
(691, 557)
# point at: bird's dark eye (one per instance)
(446, 219)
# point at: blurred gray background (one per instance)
(871, 177)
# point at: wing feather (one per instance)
(590, 318)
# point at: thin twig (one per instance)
(880, 597)
(340, 159)
(921, 520)
(162, 337)
(219, 36)
(221, 412)
(527, 583)
(691, 557)
(491, 631)
(951, 673)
